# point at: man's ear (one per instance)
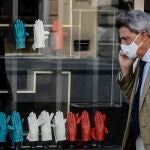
(144, 35)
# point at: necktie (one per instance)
(135, 114)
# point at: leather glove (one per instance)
(78, 118)
(15, 129)
(71, 127)
(99, 131)
(20, 34)
(58, 34)
(44, 120)
(59, 129)
(3, 127)
(40, 35)
(33, 124)
(85, 126)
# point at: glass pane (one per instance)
(77, 68)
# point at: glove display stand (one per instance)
(71, 145)
(33, 145)
(3, 146)
(18, 146)
(60, 145)
(45, 145)
(100, 144)
(86, 145)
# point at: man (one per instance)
(134, 76)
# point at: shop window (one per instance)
(79, 75)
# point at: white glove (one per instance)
(33, 127)
(44, 120)
(59, 129)
(39, 35)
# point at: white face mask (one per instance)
(131, 49)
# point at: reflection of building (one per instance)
(103, 3)
(82, 75)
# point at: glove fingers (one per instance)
(2, 118)
(51, 116)
(13, 119)
(62, 117)
(8, 119)
(22, 28)
(18, 120)
(85, 118)
(41, 27)
(15, 29)
(54, 28)
(59, 26)
(72, 118)
(93, 133)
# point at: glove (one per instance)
(59, 129)
(39, 35)
(58, 34)
(3, 127)
(20, 34)
(78, 118)
(44, 120)
(15, 129)
(85, 126)
(71, 127)
(99, 131)
(33, 134)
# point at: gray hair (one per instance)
(135, 20)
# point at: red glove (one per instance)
(85, 126)
(93, 134)
(71, 127)
(78, 118)
(99, 131)
(58, 34)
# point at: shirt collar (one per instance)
(146, 57)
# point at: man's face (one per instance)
(127, 37)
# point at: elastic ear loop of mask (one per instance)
(136, 39)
